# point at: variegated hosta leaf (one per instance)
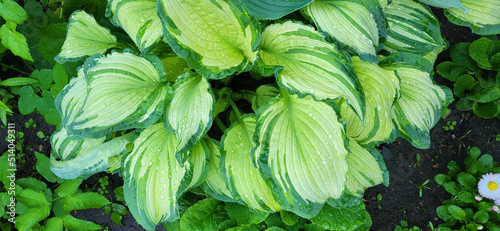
(215, 185)
(381, 88)
(189, 115)
(412, 27)
(483, 16)
(84, 38)
(153, 177)
(244, 180)
(66, 146)
(356, 23)
(420, 106)
(217, 38)
(445, 4)
(262, 94)
(87, 162)
(273, 9)
(364, 170)
(301, 152)
(197, 166)
(139, 19)
(311, 65)
(124, 91)
(70, 100)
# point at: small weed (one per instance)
(104, 184)
(404, 227)
(497, 137)
(41, 135)
(423, 187)
(379, 198)
(30, 123)
(450, 125)
(417, 158)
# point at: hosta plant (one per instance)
(250, 102)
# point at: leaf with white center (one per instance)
(189, 114)
(301, 152)
(66, 146)
(87, 163)
(273, 9)
(70, 100)
(217, 38)
(364, 170)
(214, 185)
(197, 166)
(412, 27)
(456, 4)
(420, 106)
(359, 24)
(482, 17)
(381, 88)
(311, 65)
(262, 94)
(153, 177)
(85, 37)
(124, 91)
(139, 19)
(244, 180)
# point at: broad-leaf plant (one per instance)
(327, 81)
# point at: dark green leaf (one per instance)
(345, 215)
(483, 95)
(441, 179)
(31, 183)
(119, 208)
(244, 215)
(43, 167)
(289, 218)
(52, 38)
(52, 116)
(44, 77)
(457, 212)
(464, 84)
(495, 61)
(464, 104)
(117, 218)
(450, 70)
(465, 197)
(69, 187)
(199, 216)
(452, 187)
(486, 160)
(84, 201)
(486, 110)
(18, 81)
(59, 75)
(459, 53)
(72, 223)
(27, 100)
(453, 166)
(481, 217)
(485, 206)
(481, 50)
(467, 180)
(475, 152)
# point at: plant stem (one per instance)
(235, 109)
(15, 69)
(220, 124)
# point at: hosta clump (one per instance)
(467, 209)
(307, 149)
(475, 71)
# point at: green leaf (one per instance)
(272, 9)
(117, 218)
(364, 170)
(15, 42)
(52, 37)
(486, 160)
(18, 81)
(11, 11)
(452, 187)
(31, 217)
(344, 20)
(377, 126)
(412, 27)
(482, 17)
(444, 213)
(289, 129)
(311, 65)
(243, 179)
(85, 200)
(69, 187)
(139, 20)
(245, 215)
(464, 85)
(459, 53)
(85, 164)
(43, 167)
(32, 198)
(189, 114)
(445, 4)
(72, 223)
(457, 212)
(481, 50)
(264, 93)
(214, 184)
(123, 91)
(346, 213)
(27, 100)
(198, 163)
(483, 95)
(199, 216)
(420, 106)
(153, 177)
(223, 101)
(84, 38)
(289, 218)
(32, 183)
(44, 78)
(441, 179)
(464, 104)
(59, 75)
(481, 217)
(216, 38)
(450, 70)
(55, 224)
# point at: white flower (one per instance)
(489, 186)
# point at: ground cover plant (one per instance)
(169, 80)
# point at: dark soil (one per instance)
(400, 201)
